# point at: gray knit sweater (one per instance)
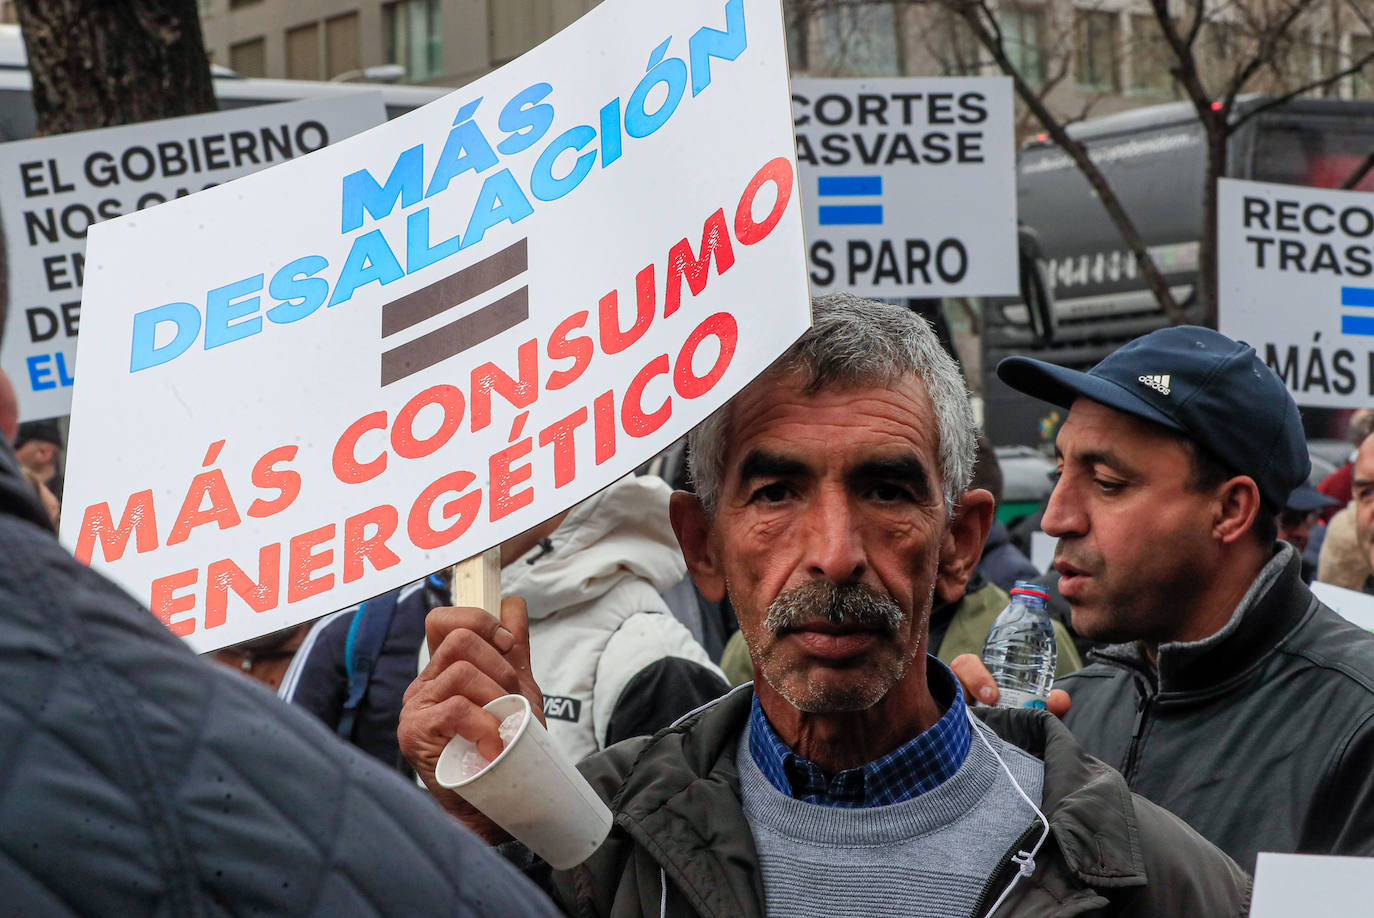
(928, 856)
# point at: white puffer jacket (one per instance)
(596, 617)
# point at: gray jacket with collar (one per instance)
(1261, 736)
(680, 845)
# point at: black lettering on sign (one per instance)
(560, 708)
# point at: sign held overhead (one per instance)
(1296, 281)
(55, 188)
(329, 379)
(909, 185)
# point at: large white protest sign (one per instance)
(908, 185)
(54, 188)
(1298, 885)
(325, 380)
(1296, 281)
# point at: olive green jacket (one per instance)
(680, 845)
(977, 611)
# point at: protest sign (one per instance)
(908, 185)
(54, 188)
(1293, 885)
(1294, 276)
(320, 382)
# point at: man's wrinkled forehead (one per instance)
(756, 399)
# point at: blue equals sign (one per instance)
(1355, 323)
(851, 186)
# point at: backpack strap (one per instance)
(366, 633)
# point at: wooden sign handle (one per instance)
(477, 581)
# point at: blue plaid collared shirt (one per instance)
(919, 765)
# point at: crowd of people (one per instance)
(771, 675)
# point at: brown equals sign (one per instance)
(450, 293)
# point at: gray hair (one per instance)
(855, 342)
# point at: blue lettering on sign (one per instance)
(565, 161)
(40, 371)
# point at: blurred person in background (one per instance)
(1297, 520)
(38, 447)
(1002, 562)
(1337, 485)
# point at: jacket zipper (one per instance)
(999, 877)
(1142, 709)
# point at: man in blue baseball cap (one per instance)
(1228, 694)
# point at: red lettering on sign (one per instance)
(722, 327)
(360, 547)
(261, 594)
(303, 561)
(165, 602)
(347, 468)
(138, 521)
(779, 172)
(403, 433)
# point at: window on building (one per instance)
(960, 53)
(1217, 53)
(235, 4)
(413, 39)
(1151, 58)
(1023, 39)
(861, 40)
(249, 58)
(1295, 60)
(1362, 82)
(342, 49)
(1095, 50)
(303, 52)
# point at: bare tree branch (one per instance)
(1285, 97)
(1268, 43)
(1360, 172)
(982, 21)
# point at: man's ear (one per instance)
(1238, 503)
(692, 526)
(962, 545)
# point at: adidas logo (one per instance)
(1159, 383)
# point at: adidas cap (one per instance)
(1215, 391)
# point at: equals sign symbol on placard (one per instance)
(1357, 323)
(449, 293)
(850, 186)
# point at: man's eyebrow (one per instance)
(760, 463)
(1362, 482)
(1105, 457)
(908, 469)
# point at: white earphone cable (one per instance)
(1025, 860)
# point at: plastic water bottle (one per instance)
(1020, 651)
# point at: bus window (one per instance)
(1322, 153)
(17, 117)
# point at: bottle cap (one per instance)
(1027, 588)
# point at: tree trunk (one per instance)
(1207, 266)
(97, 63)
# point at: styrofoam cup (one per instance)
(531, 790)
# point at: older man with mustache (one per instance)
(850, 779)
(1231, 696)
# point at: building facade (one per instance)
(436, 42)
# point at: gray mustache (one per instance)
(839, 604)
